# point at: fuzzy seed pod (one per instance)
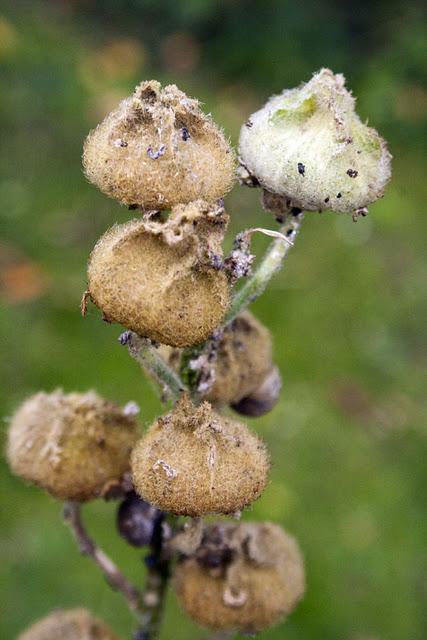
(244, 577)
(237, 365)
(158, 149)
(195, 462)
(309, 146)
(72, 445)
(75, 624)
(262, 399)
(158, 279)
(243, 359)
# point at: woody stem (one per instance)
(87, 546)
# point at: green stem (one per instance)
(271, 262)
(147, 356)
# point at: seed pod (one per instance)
(258, 578)
(309, 146)
(158, 149)
(75, 624)
(157, 279)
(263, 398)
(243, 359)
(137, 520)
(238, 365)
(72, 444)
(195, 462)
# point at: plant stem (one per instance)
(143, 351)
(158, 563)
(271, 262)
(72, 516)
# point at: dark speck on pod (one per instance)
(352, 173)
(301, 168)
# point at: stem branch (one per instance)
(146, 355)
(271, 262)
(72, 516)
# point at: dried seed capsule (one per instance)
(75, 624)
(258, 578)
(243, 359)
(72, 444)
(137, 520)
(263, 398)
(238, 365)
(309, 146)
(195, 462)
(157, 279)
(158, 149)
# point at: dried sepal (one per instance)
(157, 279)
(73, 624)
(243, 577)
(72, 445)
(194, 462)
(158, 149)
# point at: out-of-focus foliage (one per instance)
(347, 312)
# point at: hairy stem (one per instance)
(143, 351)
(72, 516)
(270, 263)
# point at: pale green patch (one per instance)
(294, 111)
(367, 139)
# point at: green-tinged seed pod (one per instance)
(158, 279)
(309, 146)
(158, 149)
(194, 461)
(74, 624)
(243, 578)
(72, 445)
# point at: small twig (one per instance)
(72, 516)
(271, 262)
(147, 356)
(153, 599)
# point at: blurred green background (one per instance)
(348, 312)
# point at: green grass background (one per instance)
(348, 311)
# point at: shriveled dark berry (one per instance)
(137, 520)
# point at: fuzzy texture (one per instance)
(75, 624)
(157, 279)
(309, 146)
(72, 445)
(158, 149)
(195, 462)
(241, 360)
(244, 357)
(244, 577)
